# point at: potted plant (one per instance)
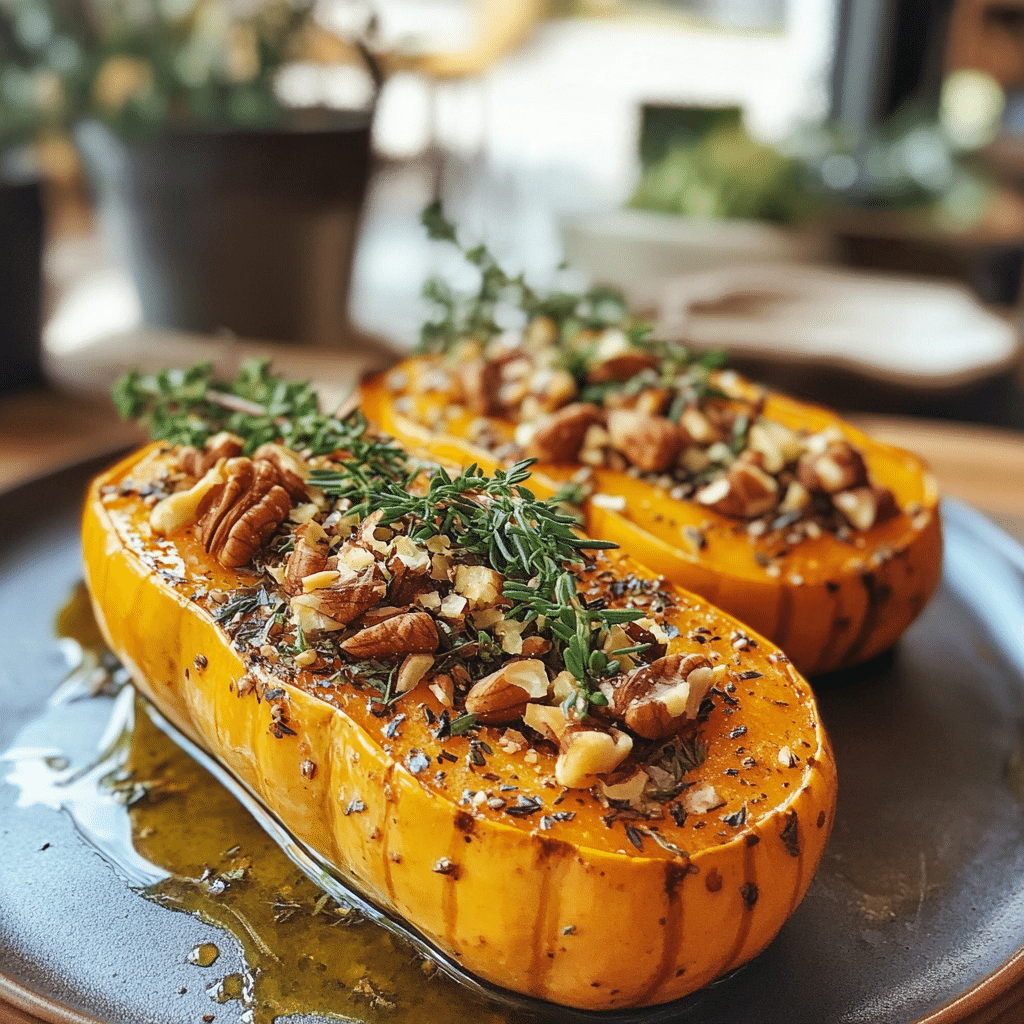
(230, 209)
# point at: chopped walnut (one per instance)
(655, 700)
(745, 492)
(651, 442)
(838, 468)
(559, 437)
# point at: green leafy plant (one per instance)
(140, 65)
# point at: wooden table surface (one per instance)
(44, 430)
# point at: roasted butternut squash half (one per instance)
(816, 536)
(583, 784)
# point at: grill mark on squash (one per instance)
(552, 860)
(749, 895)
(878, 593)
(675, 875)
(791, 840)
(785, 618)
(450, 891)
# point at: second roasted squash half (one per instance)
(815, 535)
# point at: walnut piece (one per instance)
(656, 699)
(559, 437)
(237, 518)
(342, 601)
(651, 442)
(745, 492)
(838, 468)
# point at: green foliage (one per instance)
(456, 317)
(188, 406)
(141, 65)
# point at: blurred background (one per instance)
(832, 190)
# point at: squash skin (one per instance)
(852, 601)
(574, 915)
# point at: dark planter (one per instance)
(21, 263)
(252, 232)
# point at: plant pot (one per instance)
(248, 231)
(21, 263)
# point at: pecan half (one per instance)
(480, 380)
(291, 469)
(621, 367)
(238, 518)
(503, 695)
(559, 437)
(651, 442)
(224, 445)
(312, 546)
(656, 699)
(410, 633)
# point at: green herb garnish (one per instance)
(189, 406)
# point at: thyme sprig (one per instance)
(499, 522)
(457, 317)
(189, 406)
(495, 518)
(578, 627)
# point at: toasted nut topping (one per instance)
(655, 700)
(480, 585)
(480, 381)
(347, 597)
(179, 510)
(443, 689)
(586, 753)
(700, 429)
(309, 556)
(502, 696)
(838, 468)
(237, 518)
(410, 633)
(745, 492)
(224, 445)
(291, 469)
(651, 442)
(621, 367)
(559, 437)
(413, 669)
(863, 507)
(701, 799)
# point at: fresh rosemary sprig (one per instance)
(189, 406)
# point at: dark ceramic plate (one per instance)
(917, 912)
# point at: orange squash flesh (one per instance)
(828, 603)
(564, 910)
